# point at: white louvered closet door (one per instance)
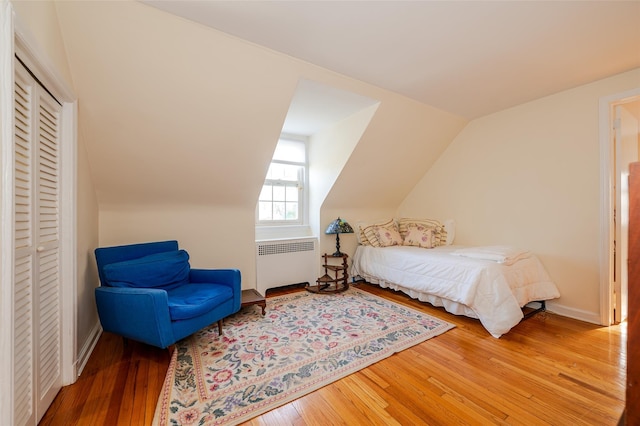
(37, 372)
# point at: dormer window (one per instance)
(282, 198)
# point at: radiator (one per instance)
(285, 262)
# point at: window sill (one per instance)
(281, 232)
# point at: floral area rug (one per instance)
(304, 341)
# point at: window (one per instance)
(282, 198)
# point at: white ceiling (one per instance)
(470, 58)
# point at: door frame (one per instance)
(607, 195)
(15, 38)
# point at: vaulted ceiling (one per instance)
(174, 111)
(470, 58)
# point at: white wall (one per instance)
(87, 240)
(403, 139)
(41, 19)
(208, 233)
(329, 151)
(529, 176)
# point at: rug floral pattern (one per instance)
(304, 342)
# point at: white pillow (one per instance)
(450, 227)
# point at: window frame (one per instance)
(301, 184)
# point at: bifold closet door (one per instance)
(37, 372)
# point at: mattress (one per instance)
(490, 291)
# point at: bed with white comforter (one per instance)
(491, 284)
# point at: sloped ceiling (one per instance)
(180, 113)
(171, 112)
(315, 106)
(174, 112)
(470, 58)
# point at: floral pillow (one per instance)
(387, 236)
(370, 234)
(439, 232)
(419, 236)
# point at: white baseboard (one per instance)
(579, 314)
(87, 348)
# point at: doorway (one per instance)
(620, 146)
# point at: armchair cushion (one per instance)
(192, 300)
(167, 270)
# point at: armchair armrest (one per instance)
(140, 314)
(219, 276)
(228, 277)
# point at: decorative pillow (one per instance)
(419, 236)
(161, 270)
(450, 227)
(360, 237)
(387, 236)
(370, 234)
(439, 232)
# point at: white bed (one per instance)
(493, 291)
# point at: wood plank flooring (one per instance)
(548, 370)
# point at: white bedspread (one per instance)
(501, 254)
(488, 290)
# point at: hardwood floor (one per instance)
(119, 385)
(548, 370)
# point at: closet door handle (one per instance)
(40, 249)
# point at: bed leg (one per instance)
(542, 308)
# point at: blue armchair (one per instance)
(150, 294)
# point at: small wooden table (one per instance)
(337, 283)
(252, 297)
